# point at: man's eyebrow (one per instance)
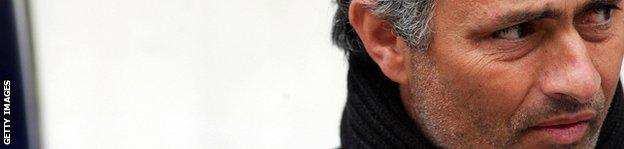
(525, 16)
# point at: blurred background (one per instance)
(128, 74)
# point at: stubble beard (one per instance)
(429, 104)
(434, 107)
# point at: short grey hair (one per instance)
(410, 19)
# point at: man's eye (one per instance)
(515, 32)
(599, 16)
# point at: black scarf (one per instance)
(374, 116)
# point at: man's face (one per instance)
(517, 73)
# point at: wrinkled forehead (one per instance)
(479, 16)
(494, 10)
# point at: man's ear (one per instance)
(382, 45)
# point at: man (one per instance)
(482, 73)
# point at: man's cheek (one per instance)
(607, 59)
(503, 91)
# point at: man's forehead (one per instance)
(480, 11)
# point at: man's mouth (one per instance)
(567, 128)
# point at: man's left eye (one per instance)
(602, 15)
(598, 16)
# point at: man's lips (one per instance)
(567, 119)
(565, 129)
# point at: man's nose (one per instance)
(570, 72)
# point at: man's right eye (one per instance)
(516, 32)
